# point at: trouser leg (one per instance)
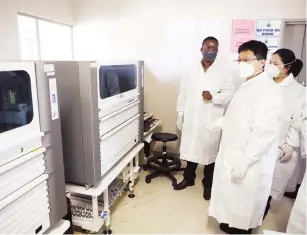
(292, 195)
(225, 228)
(267, 208)
(208, 175)
(189, 173)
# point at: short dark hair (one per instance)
(287, 56)
(259, 49)
(211, 38)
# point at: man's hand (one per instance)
(207, 95)
(239, 171)
(286, 153)
(180, 120)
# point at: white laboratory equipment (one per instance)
(102, 120)
(32, 185)
(100, 105)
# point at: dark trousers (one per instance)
(267, 208)
(190, 173)
(225, 228)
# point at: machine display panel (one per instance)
(117, 79)
(16, 107)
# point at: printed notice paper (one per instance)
(272, 43)
(268, 28)
(237, 40)
(243, 27)
(242, 31)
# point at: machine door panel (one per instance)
(19, 117)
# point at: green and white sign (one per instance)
(268, 28)
(272, 43)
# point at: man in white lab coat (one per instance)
(203, 97)
(244, 165)
(284, 67)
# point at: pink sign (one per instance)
(238, 40)
(243, 27)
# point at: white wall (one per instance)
(167, 35)
(56, 10)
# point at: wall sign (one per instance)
(243, 27)
(272, 43)
(268, 27)
(237, 41)
(242, 31)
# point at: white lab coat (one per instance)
(198, 144)
(293, 96)
(298, 141)
(297, 220)
(249, 133)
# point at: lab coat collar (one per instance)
(212, 66)
(287, 80)
(254, 79)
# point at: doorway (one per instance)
(294, 38)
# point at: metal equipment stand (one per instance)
(96, 213)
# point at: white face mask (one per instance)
(272, 70)
(246, 70)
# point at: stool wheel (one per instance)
(107, 231)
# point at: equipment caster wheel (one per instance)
(147, 180)
(131, 195)
(107, 231)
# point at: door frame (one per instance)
(289, 22)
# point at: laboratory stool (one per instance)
(165, 164)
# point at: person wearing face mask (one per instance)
(284, 67)
(203, 96)
(244, 165)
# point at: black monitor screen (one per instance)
(117, 79)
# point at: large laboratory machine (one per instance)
(102, 116)
(32, 184)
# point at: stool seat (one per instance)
(164, 137)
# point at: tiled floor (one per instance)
(158, 209)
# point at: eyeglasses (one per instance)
(247, 61)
